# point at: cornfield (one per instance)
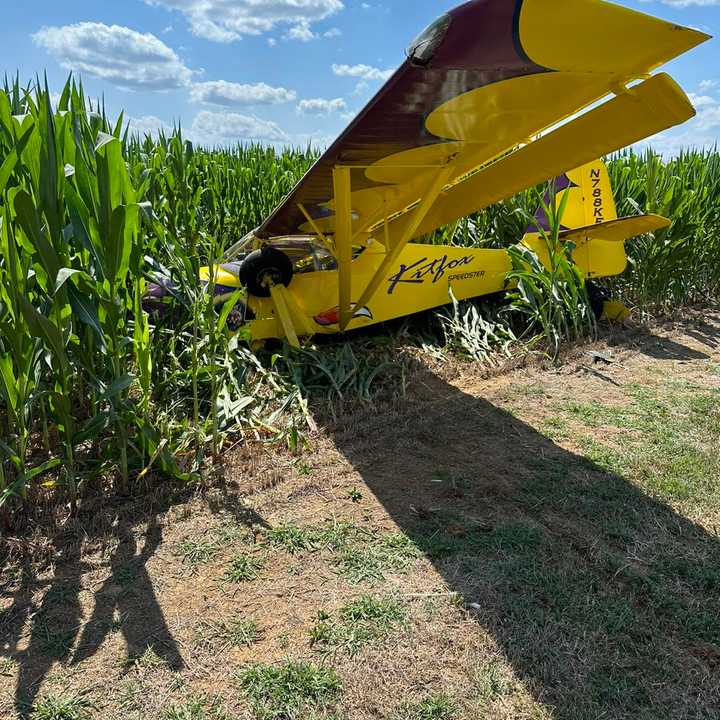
(93, 396)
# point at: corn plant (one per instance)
(474, 331)
(680, 264)
(92, 390)
(551, 295)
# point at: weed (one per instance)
(57, 643)
(197, 552)
(289, 691)
(436, 707)
(242, 633)
(198, 707)
(368, 560)
(293, 539)
(244, 568)
(230, 532)
(358, 623)
(146, 661)
(491, 681)
(61, 707)
(355, 495)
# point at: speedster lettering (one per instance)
(422, 270)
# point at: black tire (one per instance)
(265, 267)
(598, 297)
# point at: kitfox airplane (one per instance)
(494, 97)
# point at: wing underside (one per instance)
(470, 110)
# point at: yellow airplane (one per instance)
(494, 97)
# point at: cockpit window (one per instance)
(423, 48)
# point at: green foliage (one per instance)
(242, 633)
(244, 568)
(197, 552)
(197, 708)
(551, 291)
(357, 624)
(680, 264)
(61, 707)
(87, 214)
(472, 330)
(288, 691)
(436, 707)
(92, 394)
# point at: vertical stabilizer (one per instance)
(591, 199)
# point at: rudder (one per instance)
(590, 200)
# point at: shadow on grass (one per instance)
(605, 601)
(663, 348)
(125, 602)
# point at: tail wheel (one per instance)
(598, 297)
(263, 269)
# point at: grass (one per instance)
(61, 707)
(241, 633)
(361, 622)
(290, 691)
(668, 439)
(244, 568)
(293, 539)
(435, 707)
(197, 552)
(369, 560)
(198, 707)
(146, 661)
(359, 555)
(550, 586)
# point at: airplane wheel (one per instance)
(263, 268)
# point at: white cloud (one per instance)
(229, 20)
(221, 128)
(688, 3)
(701, 101)
(703, 131)
(363, 72)
(320, 106)
(116, 54)
(301, 32)
(317, 140)
(332, 33)
(148, 125)
(708, 85)
(221, 92)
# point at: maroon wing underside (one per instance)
(481, 47)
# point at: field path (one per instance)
(541, 543)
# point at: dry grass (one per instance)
(540, 544)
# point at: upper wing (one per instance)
(482, 81)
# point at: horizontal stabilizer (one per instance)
(616, 230)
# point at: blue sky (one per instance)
(283, 71)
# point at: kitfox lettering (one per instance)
(422, 270)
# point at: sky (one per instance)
(277, 71)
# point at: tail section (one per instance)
(590, 200)
(590, 222)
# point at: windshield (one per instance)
(423, 48)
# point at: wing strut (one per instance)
(393, 250)
(343, 241)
